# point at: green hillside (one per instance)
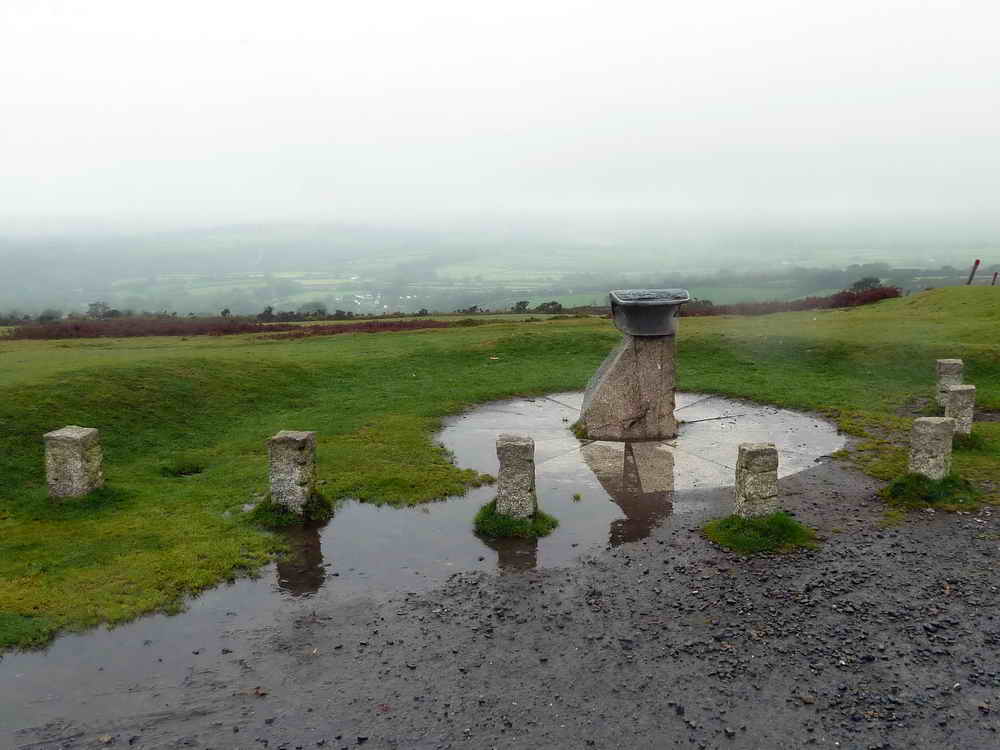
(147, 540)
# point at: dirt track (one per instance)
(883, 638)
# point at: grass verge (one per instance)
(490, 523)
(777, 532)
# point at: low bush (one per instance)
(777, 532)
(490, 523)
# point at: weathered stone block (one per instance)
(631, 396)
(73, 461)
(930, 446)
(949, 372)
(516, 478)
(961, 406)
(756, 480)
(292, 458)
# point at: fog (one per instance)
(738, 128)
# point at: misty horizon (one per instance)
(130, 115)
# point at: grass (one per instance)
(271, 515)
(777, 532)
(917, 491)
(492, 524)
(152, 538)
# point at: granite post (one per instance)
(930, 446)
(516, 478)
(292, 460)
(961, 406)
(756, 480)
(73, 461)
(949, 372)
(631, 396)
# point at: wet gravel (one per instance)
(882, 638)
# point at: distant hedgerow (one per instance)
(845, 298)
(369, 326)
(134, 326)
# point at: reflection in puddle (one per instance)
(300, 571)
(639, 479)
(514, 555)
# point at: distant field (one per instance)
(376, 401)
(720, 295)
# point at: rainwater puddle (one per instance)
(625, 491)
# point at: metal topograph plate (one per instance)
(650, 296)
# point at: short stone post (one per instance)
(961, 406)
(516, 478)
(292, 457)
(73, 461)
(949, 372)
(756, 480)
(930, 446)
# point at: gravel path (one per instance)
(882, 638)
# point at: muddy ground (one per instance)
(882, 638)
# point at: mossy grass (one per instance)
(181, 467)
(776, 532)
(489, 523)
(579, 430)
(974, 442)
(271, 515)
(917, 491)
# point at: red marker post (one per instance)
(972, 274)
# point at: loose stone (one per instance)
(960, 406)
(292, 457)
(516, 478)
(930, 446)
(756, 480)
(73, 461)
(949, 372)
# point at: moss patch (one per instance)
(777, 532)
(917, 491)
(273, 516)
(490, 523)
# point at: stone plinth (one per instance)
(949, 372)
(756, 480)
(516, 478)
(292, 458)
(631, 396)
(930, 446)
(73, 461)
(961, 406)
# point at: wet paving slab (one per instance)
(604, 494)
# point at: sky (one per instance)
(210, 111)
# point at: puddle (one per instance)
(624, 492)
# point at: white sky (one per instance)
(232, 110)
